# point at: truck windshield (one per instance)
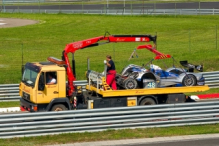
(29, 77)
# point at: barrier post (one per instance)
(143, 7)
(18, 7)
(175, 8)
(39, 5)
(4, 6)
(189, 40)
(216, 35)
(107, 6)
(131, 7)
(82, 6)
(124, 6)
(199, 7)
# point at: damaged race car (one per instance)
(134, 76)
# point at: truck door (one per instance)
(51, 86)
(51, 90)
(40, 91)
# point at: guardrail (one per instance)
(121, 11)
(212, 79)
(48, 123)
(10, 92)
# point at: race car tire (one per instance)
(130, 83)
(189, 80)
(147, 101)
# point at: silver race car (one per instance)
(134, 76)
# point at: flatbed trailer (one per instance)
(152, 91)
(101, 95)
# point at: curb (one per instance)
(204, 96)
(9, 109)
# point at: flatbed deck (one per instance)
(151, 91)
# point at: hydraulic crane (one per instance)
(73, 47)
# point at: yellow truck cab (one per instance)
(35, 91)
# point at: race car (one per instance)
(134, 76)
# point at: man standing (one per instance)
(111, 72)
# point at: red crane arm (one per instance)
(132, 38)
(72, 47)
(158, 54)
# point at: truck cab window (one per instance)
(51, 78)
(29, 77)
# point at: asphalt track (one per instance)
(204, 142)
(188, 5)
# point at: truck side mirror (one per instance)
(41, 84)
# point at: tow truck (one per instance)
(38, 96)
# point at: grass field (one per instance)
(189, 38)
(9, 104)
(110, 135)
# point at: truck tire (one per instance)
(130, 83)
(147, 101)
(59, 107)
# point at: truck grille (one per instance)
(26, 96)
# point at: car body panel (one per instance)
(162, 78)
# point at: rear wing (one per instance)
(191, 67)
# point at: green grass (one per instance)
(213, 90)
(110, 135)
(9, 104)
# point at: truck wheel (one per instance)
(147, 101)
(189, 80)
(58, 107)
(130, 83)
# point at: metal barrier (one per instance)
(48, 123)
(212, 79)
(122, 11)
(21, 1)
(10, 92)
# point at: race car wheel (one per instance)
(147, 101)
(130, 83)
(189, 80)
